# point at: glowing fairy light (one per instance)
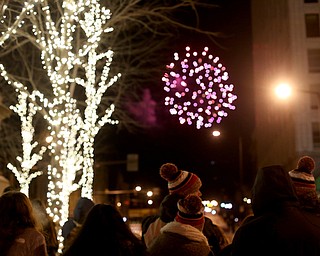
(197, 89)
(71, 132)
(12, 29)
(26, 111)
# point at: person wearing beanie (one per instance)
(183, 236)
(304, 183)
(191, 212)
(278, 225)
(178, 184)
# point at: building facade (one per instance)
(286, 49)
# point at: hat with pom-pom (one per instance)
(306, 164)
(180, 182)
(304, 182)
(191, 211)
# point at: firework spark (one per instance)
(197, 89)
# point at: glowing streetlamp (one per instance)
(286, 91)
(216, 133)
(283, 91)
(303, 104)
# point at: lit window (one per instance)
(312, 25)
(314, 60)
(315, 96)
(316, 134)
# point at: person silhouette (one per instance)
(181, 183)
(72, 225)
(105, 233)
(48, 228)
(304, 184)
(183, 236)
(278, 225)
(19, 230)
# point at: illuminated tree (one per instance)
(197, 89)
(65, 50)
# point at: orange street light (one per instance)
(283, 91)
(216, 133)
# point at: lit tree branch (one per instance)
(26, 111)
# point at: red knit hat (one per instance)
(306, 164)
(180, 182)
(304, 182)
(191, 211)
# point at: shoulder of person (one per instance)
(147, 221)
(32, 232)
(32, 238)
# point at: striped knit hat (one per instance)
(180, 182)
(191, 212)
(304, 182)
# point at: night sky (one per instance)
(214, 160)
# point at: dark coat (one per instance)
(279, 226)
(71, 227)
(80, 212)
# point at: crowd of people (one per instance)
(285, 220)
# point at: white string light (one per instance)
(26, 111)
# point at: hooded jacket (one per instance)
(279, 226)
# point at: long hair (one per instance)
(16, 214)
(105, 231)
(48, 227)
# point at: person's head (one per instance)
(16, 211)
(82, 208)
(180, 182)
(191, 212)
(168, 207)
(272, 189)
(9, 188)
(103, 227)
(104, 218)
(40, 212)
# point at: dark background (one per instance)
(214, 160)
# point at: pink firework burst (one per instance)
(197, 89)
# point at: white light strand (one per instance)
(26, 111)
(28, 5)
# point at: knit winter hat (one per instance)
(191, 212)
(180, 182)
(304, 182)
(306, 164)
